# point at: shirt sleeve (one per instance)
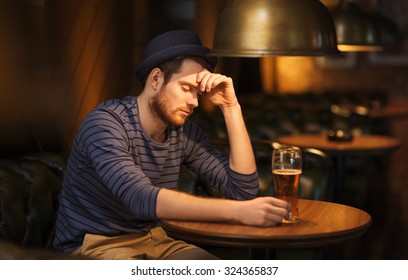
(213, 166)
(105, 142)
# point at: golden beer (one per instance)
(286, 188)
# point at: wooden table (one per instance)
(361, 145)
(364, 145)
(321, 224)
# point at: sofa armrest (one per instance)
(29, 189)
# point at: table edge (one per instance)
(236, 240)
(346, 150)
(243, 241)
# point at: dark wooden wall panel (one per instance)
(93, 56)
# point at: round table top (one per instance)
(321, 223)
(362, 145)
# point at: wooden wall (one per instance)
(13, 78)
(91, 43)
(59, 59)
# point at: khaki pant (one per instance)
(154, 245)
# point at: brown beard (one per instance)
(160, 109)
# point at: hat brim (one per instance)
(153, 61)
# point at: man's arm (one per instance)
(261, 211)
(242, 159)
(219, 89)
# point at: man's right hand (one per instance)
(262, 211)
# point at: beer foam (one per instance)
(287, 171)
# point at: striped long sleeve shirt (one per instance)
(115, 171)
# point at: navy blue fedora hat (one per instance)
(170, 45)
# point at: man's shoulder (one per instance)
(191, 130)
(188, 126)
(115, 108)
(118, 105)
(120, 110)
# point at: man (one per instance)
(125, 161)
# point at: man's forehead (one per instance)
(190, 66)
(188, 73)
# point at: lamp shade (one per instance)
(256, 28)
(390, 35)
(356, 30)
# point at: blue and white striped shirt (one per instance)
(115, 171)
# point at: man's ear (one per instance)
(155, 78)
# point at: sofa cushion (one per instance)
(29, 189)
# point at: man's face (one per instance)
(176, 100)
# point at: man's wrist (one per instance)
(231, 109)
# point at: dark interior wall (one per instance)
(14, 76)
(91, 44)
(59, 59)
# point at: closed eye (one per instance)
(185, 88)
(190, 88)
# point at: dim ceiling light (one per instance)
(256, 28)
(356, 30)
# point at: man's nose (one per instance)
(193, 100)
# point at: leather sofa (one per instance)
(29, 189)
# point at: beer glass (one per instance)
(286, 169)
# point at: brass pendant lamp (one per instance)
(257, 28)
(356, 29)
(390, 35)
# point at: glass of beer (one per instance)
(286, 169)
